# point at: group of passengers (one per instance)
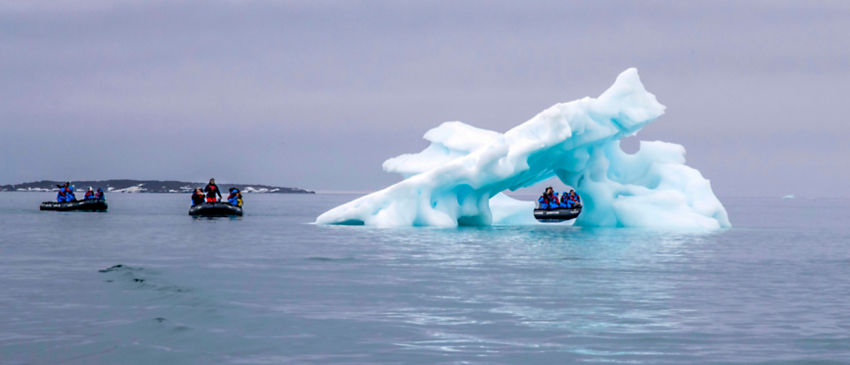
(211, 194)
(66, 193)
(549, 199)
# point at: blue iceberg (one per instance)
(460, 177)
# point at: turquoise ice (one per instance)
(458, 179)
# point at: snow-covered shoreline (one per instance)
(148, 186)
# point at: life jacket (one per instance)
(98, 195)
(235, 199)
(211, 191)
(89, 195)
(61, 192)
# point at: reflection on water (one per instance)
(271, 288)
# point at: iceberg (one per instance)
(458, 180)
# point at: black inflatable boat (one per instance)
(88, 205)
(556, 215)
(215, 210)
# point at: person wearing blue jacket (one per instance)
(99, 194)
(235, 197)
(547, 199)
(61, 194)
(565, 200)
(69, 194)
(575, 198)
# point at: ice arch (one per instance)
(457, 180)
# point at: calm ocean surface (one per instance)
(270, 288)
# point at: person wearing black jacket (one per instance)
(197, 197)
(212, 189)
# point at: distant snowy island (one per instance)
(148, 186)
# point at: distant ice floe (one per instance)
(459, 178)
(45, 190)
(788, 197)
(132, 189)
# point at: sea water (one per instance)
(272, 288)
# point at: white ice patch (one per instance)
(458, 178)
(131, 190)
(45, 190)
(252, 190)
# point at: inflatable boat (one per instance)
(87, 205)
(556, 215)
(217, 209)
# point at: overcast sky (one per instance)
(318, 94)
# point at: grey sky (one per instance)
(318, 94)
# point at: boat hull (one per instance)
(215, 210)
(87, 205)
(556, 215)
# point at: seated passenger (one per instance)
(546, 199)
(575, 198)
(555, 204)
(89, 194)
(197, 197)
(60, 196)
(69, 193)
(565, 200)
(543, 203)
(99, 194)
(235, 197)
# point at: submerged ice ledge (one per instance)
(458, 179)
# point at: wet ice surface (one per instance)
(269, 288)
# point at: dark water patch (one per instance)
(112, 268)
(160, 319)
(174, 289)
(569, 258)
(120, 268)
(133, 275)
(331, 259)
(181, 328)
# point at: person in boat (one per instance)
(99, 194)
(565, 201)
(69, 193)
(197, 197)
(62, 194)
(89, 194)
(235, 197)
(212, 190)
(545, 200)
(575, 198)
